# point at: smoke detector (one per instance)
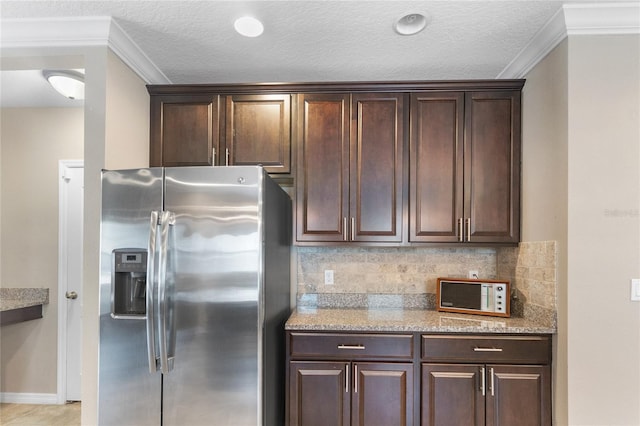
(411, 24)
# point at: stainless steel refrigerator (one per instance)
(194, 293)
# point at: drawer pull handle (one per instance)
(359, 347)
(476, 349)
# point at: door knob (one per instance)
(71, 295)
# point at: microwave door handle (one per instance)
(151, 290)
(167, 219)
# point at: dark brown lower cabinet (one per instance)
(476, 380)
(350, 393)
(318, 394)
(492, 395)
(519, 395)
(450, 395)
(439, 379)
(342, 379)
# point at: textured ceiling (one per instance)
(194, 41)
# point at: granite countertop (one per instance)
(16, 298)
(408, 320)
(406, 313)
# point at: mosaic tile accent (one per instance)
(425, 301)
(533, 274)
(388, 270)
(405, 277)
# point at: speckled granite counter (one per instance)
(21, 304)
(409, 320)
(406, 313)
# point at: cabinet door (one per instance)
(436, 164)
(452, 395)
(382, 394)
(519, 395)
(318, 393)
(258, 131)
(322, 180)
(492, 166)
(376, 172)
(184, 130)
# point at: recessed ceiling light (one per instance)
(248, 26)
(411, 24)
(66, 82)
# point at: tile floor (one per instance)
(40, 415)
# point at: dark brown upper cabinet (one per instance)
(197, 130)
(258, 131)
(387, 163)
(185, 130)
(350, 167)
(465, 167)
(492, 167)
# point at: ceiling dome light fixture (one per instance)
(248, 26)
(66, 82)
(411, 24)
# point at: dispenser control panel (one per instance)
(130, 261)
(129, 284)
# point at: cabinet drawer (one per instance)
(351, 345)
(485, 349)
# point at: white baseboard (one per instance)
(28, 398)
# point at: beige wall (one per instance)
(581, 187)
(116, 135)
(603, 328)
(119, 139)
(544, 188)
(127, 116)
(32, 142)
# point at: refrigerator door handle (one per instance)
(150, 302)
(167, 219)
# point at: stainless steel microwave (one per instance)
(480, 297)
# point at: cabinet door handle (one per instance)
(346, 378)
(353, 228)
(460, 230)
(355, 378)
(477, 349)
(213, 156)
(359, 347)
(482, 381)
(344, 228)
(492, 383)
(468, 223)
(226, 155)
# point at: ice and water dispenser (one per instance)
(129, 283)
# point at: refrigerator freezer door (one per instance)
(214, 280)
(128, 394)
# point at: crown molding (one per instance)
(131, 54)
(575, 19)
(80, 32)
(602, 18)
(55, 32)
(543, 42)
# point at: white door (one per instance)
(70, 280)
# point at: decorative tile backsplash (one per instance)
(361, 272)
(388, 270)
(532, 269)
